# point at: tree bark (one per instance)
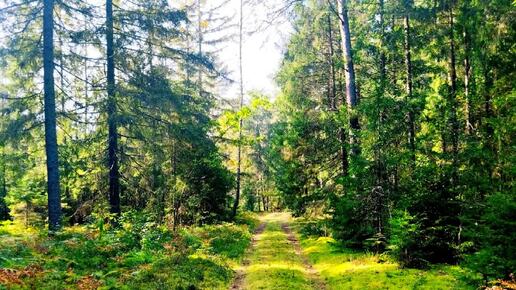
(351, 90)
(199, 45)
(467, 82)
(409, 84)
(240, 121)
(333, 83)
(467, 72)
(114, 174)
(54, 199)
(453, 99)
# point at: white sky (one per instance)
(262, 50)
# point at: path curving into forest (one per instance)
(275, 259)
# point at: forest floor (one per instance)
(264, 252)
(280, 258)
(275, 259)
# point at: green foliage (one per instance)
(348, 223)
(404, 230)
(135, 255)
(314, 227)
(226, 240)
(496, 254)
(343, 268)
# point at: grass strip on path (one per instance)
(273, 262)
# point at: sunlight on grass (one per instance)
(273, 261)
(347, 269)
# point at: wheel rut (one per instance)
(313, 274)
(275, 253)
(238, 282)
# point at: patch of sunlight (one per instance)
(332, 269)
(17, 228)
(273, 264)
(276, 265)
(343, 268)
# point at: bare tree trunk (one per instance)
(54, 199)
(240, 121)
(334, 103)
(380, 168)
(409, 85)
(199, 44)
(467, 81)
(467, 74)
(333, 83)
(453, 99)
(4, 210)
(351, 90)
(114, 174)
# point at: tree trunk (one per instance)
(467, 82)
(199, 44)
(240, 121)
(4, 210)
(408, 84)
(453, 100)
(379, 167)
(54, 199)
(351, 91)
(114, 174)
(467, 73)
(333, 83)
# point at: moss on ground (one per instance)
(273, 263)
(343, 268)
(127, 258)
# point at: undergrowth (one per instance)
(345, 268)
(139, 254)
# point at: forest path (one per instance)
(275, 260)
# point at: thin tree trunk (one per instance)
(379, 96)
(453, 99)
(4, 210)
(334, 104)
(409, 85)
(114, 174)
(344, 162)
(467, 78)
(351, 90)
(467, 82)
(333, 83)
(199, 45)
(54, 199)
(240, 121)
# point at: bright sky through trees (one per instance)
(263, 47)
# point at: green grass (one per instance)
(343, 268)
(153, 258)
(273, 263)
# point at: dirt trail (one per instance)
(262, 236)
(238, 283)
(314, 275)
